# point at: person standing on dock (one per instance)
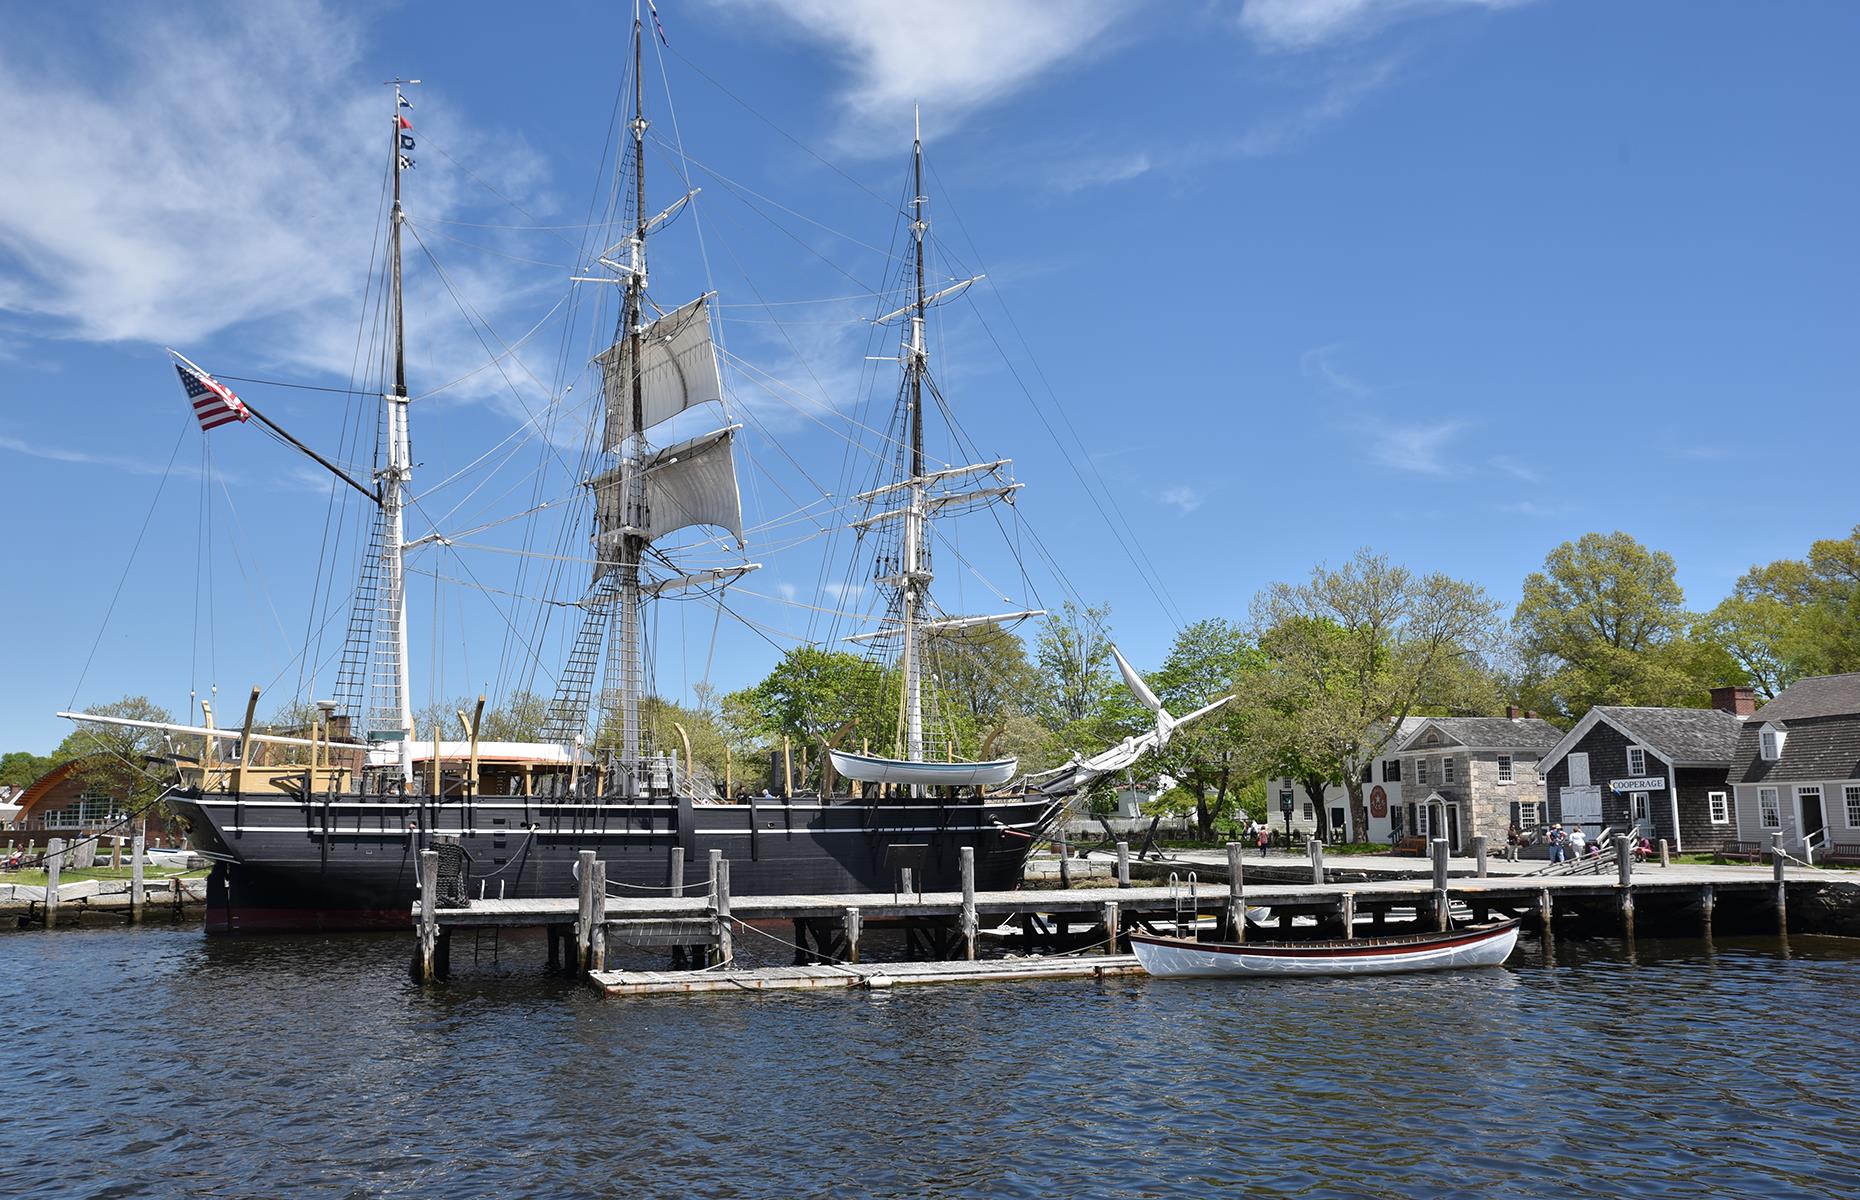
(1559, 842)
(1577, 839)
(1264, 837)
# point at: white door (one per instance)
(1579, 770)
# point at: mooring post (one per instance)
(1065, 866)
(726, 941)
(54, 861)
(116, 853)
(1782, 895)
(597, 920)
(1624, 879)
(1666, 859)
(1315, 849)
(1236, 894)
(584, 911)
(429, 920)
(1110, 927)
(1545, 908)
(970, 926)
(851, 923)
(1440, 883)
(676, 876)
(138, 890)
(1123, 864)
(1347, 909)
(1479, 855)
(1708, 898)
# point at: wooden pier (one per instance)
(703, 926)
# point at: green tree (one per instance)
(1605, 623)
(815, 696)
(1793, 617)
(1209, 659)
(1352, 652)
(115, 757)
(21, 767)
(1072, 661)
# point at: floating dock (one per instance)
(874, 977)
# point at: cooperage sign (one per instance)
(1646, 783)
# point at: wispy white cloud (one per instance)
(1530, 508)
(115, 462)
(1183, 497)
(1305, 24)
(1320, 363)
(170, 200)
(1078, 174)
(1516, 468)
(1419, 448)
(955, 56)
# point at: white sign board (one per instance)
(1644, 783)
(1581, 805)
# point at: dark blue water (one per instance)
(155, 1062)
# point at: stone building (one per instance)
(1463, 777)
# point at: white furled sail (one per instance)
(691, 483)
(1082, 772)
(677, 371)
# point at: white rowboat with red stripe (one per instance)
(1485, 945)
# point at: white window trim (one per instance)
(1448, 775)
(1507, 769)
(1850, 796)
(1587, 778)
(1637, 771)
(1769, 744)
(1801, 793)
(1420, 773)
(1714, 801)
(1774, 796)
(1639, 808)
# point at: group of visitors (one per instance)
(1568, 845)
(1259, 834)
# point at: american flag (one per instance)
(214, 403)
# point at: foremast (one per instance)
(927, 493)
(392, 716)
(624, 667)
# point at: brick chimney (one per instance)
(1737, 700)
(1513, 711)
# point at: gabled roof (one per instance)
(1820, 717)
(1816, 696)
(1680, 737)
(1488, 733)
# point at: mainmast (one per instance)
(916, 581)
(393, 702)
(624, 673)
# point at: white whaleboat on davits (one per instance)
(1484, 945)
(322, 826)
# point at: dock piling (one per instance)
(1123, 864)
(851, 924)
(1236, 894)
(1315, 849)
(429, 920)
(1065, 854)
(597, 919)
(676, 871)
(1666, 859)
(1479, 855)
(54, 862)
(970, 925)
(1782, 895)
(138, 891)
(1111, 933)
(1708, 899)
(1346, 908)
(726, 942)
(1545, 909)
(1624, 879)
(1440, 883)
(584, 912)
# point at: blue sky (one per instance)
(1454, 279)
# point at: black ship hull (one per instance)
(352, 862)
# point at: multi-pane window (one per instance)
(1391, 770)
(1769, 745)
(1504, 768)
(1446, 769)
(1769, 808)
(1637, 761)
(1527, 815)
(1721, 807)
(1851, 792)
(1309, 814)
(1420, 771)
(1640, 806)
(1420, 820)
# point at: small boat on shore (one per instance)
(1485, 945)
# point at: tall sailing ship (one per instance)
(332, 837)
